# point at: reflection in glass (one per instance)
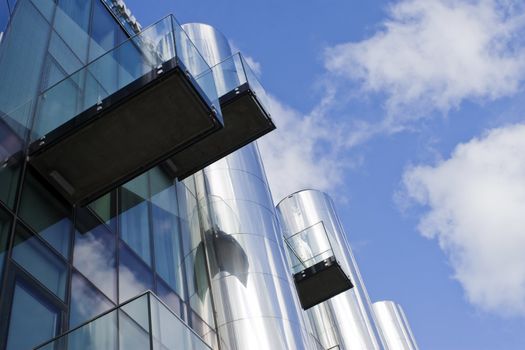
(169, 297)
(4, 235)
(72, 23)
(86, 301)
(33, 320)
(166, 235)
(48, 216)
(40, 262)
(94, 252)
(134, 324)
(134, 217)
(134, 276)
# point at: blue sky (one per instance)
(409, 114)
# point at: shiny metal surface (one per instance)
(347, 319)
(255, 304)
(215, 48)
(394, 326)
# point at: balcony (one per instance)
(141, 323)
(244, 107)
(318, 276)
(123, 113)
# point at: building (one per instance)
(134, 207)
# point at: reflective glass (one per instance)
(198, 285)
(63, 54)
(168, 296)
(5, 222)
(33, 320)
(104, 32)
(4, 15)
(130, 324)
(52, 73)
(13, 137)
(86, 301)
(135, 218)
(166, 236)
(72, 24)
(133, 59)
(23, 51)
(46, 8)
(40, 262)
(134, 276)
(104, 208)
(134, 324)
(94, 252)
(46, 214)
(169, 332)
(308, 247)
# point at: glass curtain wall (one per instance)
(61, 266)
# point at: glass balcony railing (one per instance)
(245, 112)
(133, 59)
(141, 323)
(309, 247)
(234, 72)
(318, 276)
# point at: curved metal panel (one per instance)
(394, 326)
(255, 304)
(346, 318)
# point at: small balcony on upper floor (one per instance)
(123, 113)
(143, 322)
(245, 109)
(318, 276)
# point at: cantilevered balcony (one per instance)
(141, 323)
(123, 113)
(244, 107)
(318, 276)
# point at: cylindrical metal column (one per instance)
(394, 326)
(345, 320)
(254, 300)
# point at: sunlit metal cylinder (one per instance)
(394, 326)
(345, 320)
(252, 290)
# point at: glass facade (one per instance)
(63, 265)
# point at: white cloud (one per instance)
(476, 210)
(306, 151)
(433, 54)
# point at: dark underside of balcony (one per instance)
(321, 282)
(129, 132)
(245, 120)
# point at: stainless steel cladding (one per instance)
(345, 320)
(253, 296)
(394, 326)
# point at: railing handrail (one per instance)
(148, 293)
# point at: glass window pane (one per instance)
(104, 208)
(94, 252)
(52, 73)
(9, 175)
(134, 217)
(86, 301)
(4, 236)
(63, 55)
(104, 33)
(46, 8)
(134, 276)
(33, 320)
(72, 23)
(23, 49)
(167, 240)
(168, 296)
(40, 262)
(46, 214)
